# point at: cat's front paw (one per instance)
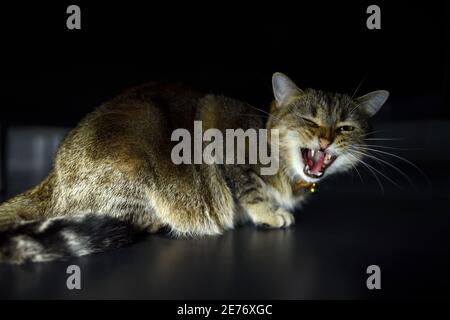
(280, 219)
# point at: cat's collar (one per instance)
(301, 184)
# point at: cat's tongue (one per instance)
(315, 160)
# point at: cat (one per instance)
(113, 178)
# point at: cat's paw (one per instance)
(156, 227)
(280, 219)
(285, 218)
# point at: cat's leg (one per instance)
(190, 214)
(258, 207)
(262, 214)
(155, 227)
(23, 207)
(198, 206)
(8, 216)
(28, 206)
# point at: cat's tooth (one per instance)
(313, 152)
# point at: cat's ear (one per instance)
(283, 88)
(372, 101)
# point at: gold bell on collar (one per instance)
(311, 187)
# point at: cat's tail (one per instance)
(64, 237)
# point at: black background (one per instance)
(51, 76)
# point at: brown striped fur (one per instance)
(117, 163)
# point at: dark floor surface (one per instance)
(347, 226)
(324, 256)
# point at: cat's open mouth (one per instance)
(316, 162)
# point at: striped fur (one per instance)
(64, 237)
(113, 176)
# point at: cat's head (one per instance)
(319, 131)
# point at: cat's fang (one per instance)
(327, 159)
(316, 162)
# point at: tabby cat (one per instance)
(113, 177)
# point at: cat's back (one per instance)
(138, 116)
(141, 120)
(150, 103)
(161, 108)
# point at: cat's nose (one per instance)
(324, 143)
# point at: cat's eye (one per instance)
(310, 122)
(345, 128)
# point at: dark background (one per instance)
(51, 77)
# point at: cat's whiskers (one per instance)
(356, 169)
(357, 106)
(370, 170)
(366, 154)
(265, 112)
(252, 115)
(359, 85)
(385, 147)
(380, 173)
(354, 93)
(383, 139)
(400, 158)
(372, 132)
